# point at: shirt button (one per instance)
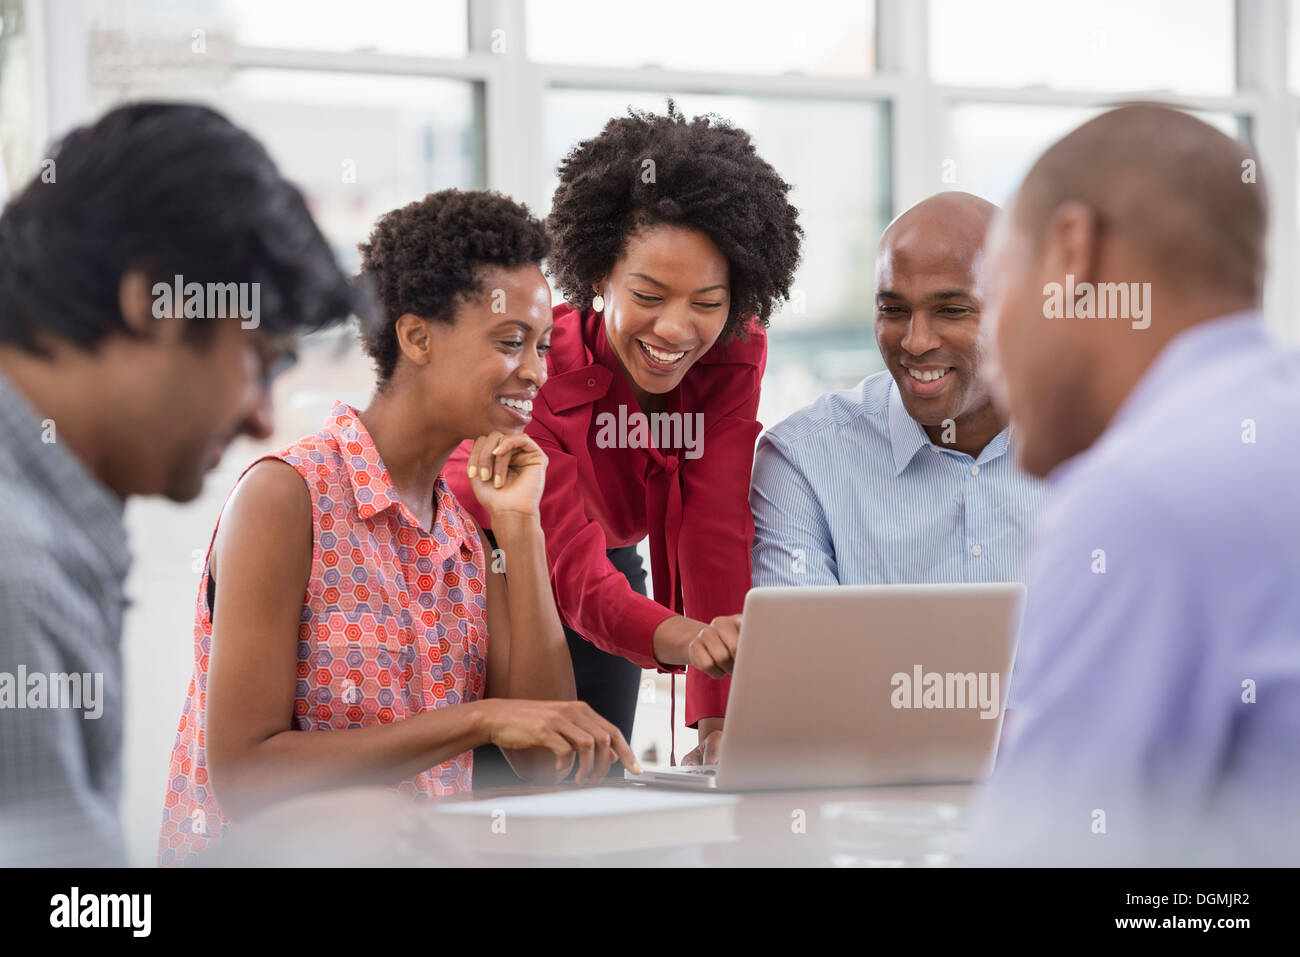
(976, 551)
(974, 470)
(591, 383)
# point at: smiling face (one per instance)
(484, 369)
(928, 307)
(666, 303)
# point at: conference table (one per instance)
(911, 826)
(918, 826)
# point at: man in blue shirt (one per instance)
(1155, 712)
(909, 476)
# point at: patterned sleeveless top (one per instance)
(394, 623)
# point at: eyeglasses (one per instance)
(278, 354)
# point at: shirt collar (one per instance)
(586, 377)
(372, 487)
(907, 437)
(591, 367)
(1000, 444)
(56, 472)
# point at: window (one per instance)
(817, 37)
(834, 153)
(1293, 45)
(358, 144)
(16, 148)
(992, 145)
(1183, 46)
(410, 27)
(371, 105)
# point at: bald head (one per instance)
(1154, 222)
(952, 221)
(1173, 187)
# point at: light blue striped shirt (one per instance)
(850, 490)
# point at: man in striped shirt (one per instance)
(909, 476)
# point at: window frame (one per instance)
(513, 88)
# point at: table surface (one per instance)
(787, 829)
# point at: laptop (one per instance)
(858, 685)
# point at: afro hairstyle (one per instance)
(706, 176)
(428, 257)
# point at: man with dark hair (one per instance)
(148, 291)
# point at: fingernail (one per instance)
(484, 473)
(471, 471)
(496, 482)
(497, 450)
(636, 768)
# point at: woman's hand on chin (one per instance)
(508, 474)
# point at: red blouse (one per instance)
(695, 510)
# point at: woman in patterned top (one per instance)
(345, 588)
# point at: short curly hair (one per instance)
(427, 257)
(707, 176)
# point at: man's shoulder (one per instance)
(47, 583)
(31, 530)
(862, 408)
(1224, 460)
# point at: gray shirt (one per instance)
(63, 564)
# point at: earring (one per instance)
(598, 303)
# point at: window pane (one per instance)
(992, 146)
(834, 37)
(835, 155)
(1293, 44)
(357, 145)
(1181, 45)
(16, 147)
(418, 27)
(413, 27)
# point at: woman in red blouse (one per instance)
(672, 241)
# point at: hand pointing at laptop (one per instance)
(713, 651)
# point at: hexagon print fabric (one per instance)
(395, 623)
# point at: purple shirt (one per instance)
(1155, 709)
